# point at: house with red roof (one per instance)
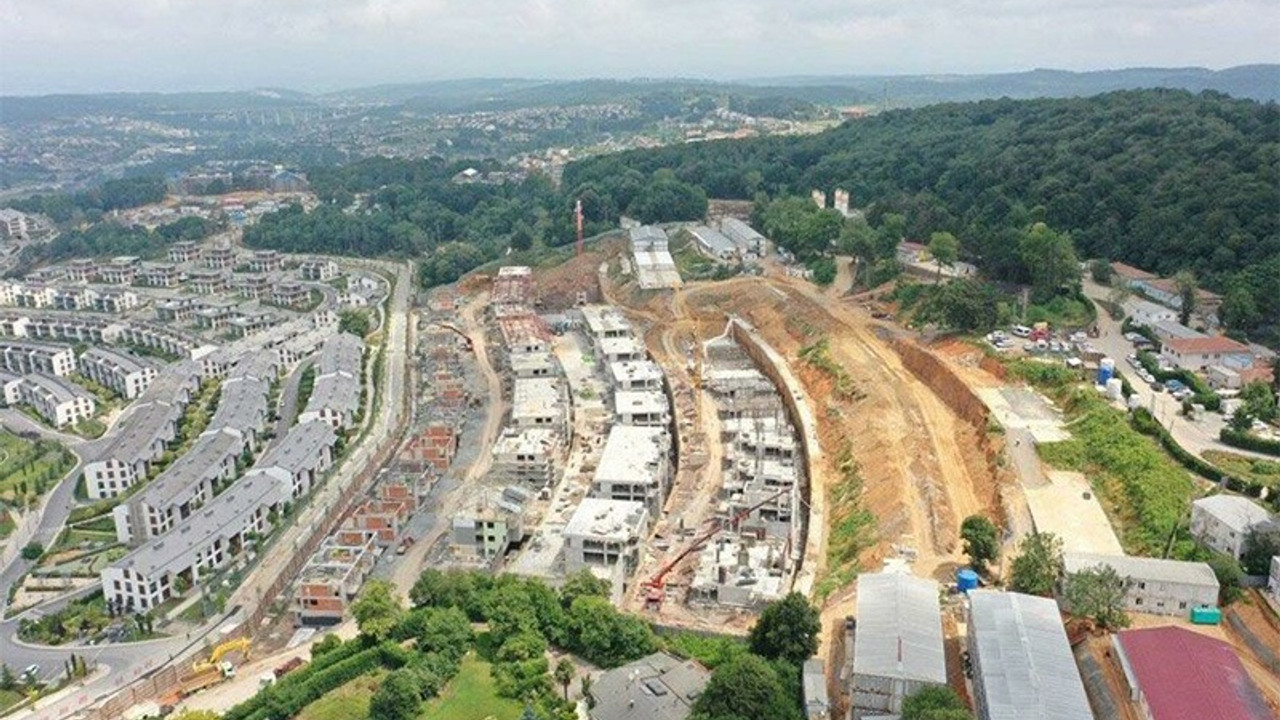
(1200, 353)
(1178, 674)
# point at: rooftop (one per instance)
(1202, 345)
(607, 519)
(632, 454)
(640, 401)
(635, 371)
(1184, 675)
(604, 319)
(899, 628)
(657, 687)
(184, 476)
(713, 240)
(299, 448)
(1024, 664)
(535, 397)
(1147, 569)
(1236, 512)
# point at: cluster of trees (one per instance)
(109, 239)
(412, 208)
(1161, 179)
(89, 205)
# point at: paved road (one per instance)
(289, 398)
(124, 663)
(1195, 436)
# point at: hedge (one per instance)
(1246, 441)
(1145, 423)
(297, 690)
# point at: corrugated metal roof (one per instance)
(1145, 569)
(1023, 662)
(1236, 512)
(1187, 676)
(899, 628)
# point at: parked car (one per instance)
(1021, 331)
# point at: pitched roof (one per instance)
(657, 687)
(1188, 676)
(1237, 513)
(1202, 345)
(1144, 568)
(899, 628)
(1130, 272)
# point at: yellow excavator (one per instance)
(214, 669)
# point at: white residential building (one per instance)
(1155, 586)
(1224, 521)
(58, 401)
(127, 375)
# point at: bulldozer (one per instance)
(214, 669)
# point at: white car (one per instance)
(1021, 331)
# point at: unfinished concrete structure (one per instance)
(635, 465)
(527, 455)
(330, 580)
(482, 538)
(540, 403)
(605, 535)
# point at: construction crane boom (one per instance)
(656, 585)
(577, 213)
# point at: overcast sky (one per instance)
(105, 45)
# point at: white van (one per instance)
(1021, 331)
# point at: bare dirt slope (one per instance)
(921, 472)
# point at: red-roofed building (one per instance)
(1178, 674)
(1131, 273)
(1198, 353)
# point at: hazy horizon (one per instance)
(84, 46)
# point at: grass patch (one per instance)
(691, 263)
(91, 428)
(9, 698)
(29, 467)
(1262, 472)
(818, 355)
(348, 702)
(1144, 491)
(852, 528)
(471, 695)
(1063, 311)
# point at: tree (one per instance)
(606, 637)
(935, 702)
(585, 685)
(326, 644)
(7, 680)
(787, 629)
(945, 249)
(1229, 575)
(1101, 272)
(981, 540)
(564, 675)
(1260, 545)
(1240, 309)
(1258, 401)
(1187, 285)
(1038, 565)
(745, 688)
(445, 630)
(354, 322)
(377, 609)
(32, 551)
(1098, 593)
(582, 584)
(1049, 259)
(397, 698)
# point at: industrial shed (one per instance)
(897, 647)
(1177, 674)
(1023, 668)
(1158, 587)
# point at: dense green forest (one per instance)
(89, 205)
(412, 208)
(1162, 179)
(110, 239)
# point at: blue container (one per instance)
(1104, 374)
(966, 580)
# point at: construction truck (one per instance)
(214, 669)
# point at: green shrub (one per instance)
(1236, 438)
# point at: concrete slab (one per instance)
(1018, 408)
(1067, 507)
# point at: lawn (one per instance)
(471, 696)
(349, 702)
(29, 467)
(9, 698)
(1263, 472)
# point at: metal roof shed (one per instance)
(1023, 668)
(1178, 674)
(897, 648)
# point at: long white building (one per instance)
(127, 375)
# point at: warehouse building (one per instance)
(1155, 586)
(1022, 666)
(1177, 674)
(897, 647)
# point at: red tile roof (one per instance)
(1130, 272)
(1206, 345)
(1188, 676)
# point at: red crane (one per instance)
(656, 586)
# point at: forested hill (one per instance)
(1162, 179)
